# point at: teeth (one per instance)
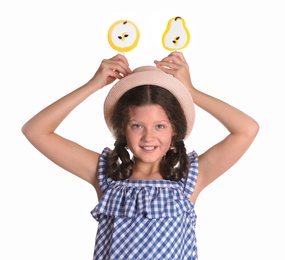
(148, 148)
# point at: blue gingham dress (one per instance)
(146, 219)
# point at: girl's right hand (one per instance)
(40, 129)
(109, 70)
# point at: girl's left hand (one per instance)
(176, 65)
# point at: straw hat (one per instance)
(151, 75)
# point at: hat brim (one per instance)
(150, 75)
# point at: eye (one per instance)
(136, 126)
(160, 126)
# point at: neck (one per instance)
(146, 171)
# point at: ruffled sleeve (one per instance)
(189, 181)
(103, 178)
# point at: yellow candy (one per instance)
(123, 35)
(176, 35)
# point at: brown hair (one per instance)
(119, 166)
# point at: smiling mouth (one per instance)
(149, 148)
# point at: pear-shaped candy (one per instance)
(176, 35)
(123, 35)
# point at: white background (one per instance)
(49, 48)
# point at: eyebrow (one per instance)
(158, 121)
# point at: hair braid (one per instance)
(176, 163)
(117, 170)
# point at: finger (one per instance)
(177, 54)
(171, 59)
(168, 67)
(169, 62)
(118, 65)
(122, 58)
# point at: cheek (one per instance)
(166, 140)
(131, 137)
(169, 144)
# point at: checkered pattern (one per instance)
(146, 219)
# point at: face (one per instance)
(148, 133)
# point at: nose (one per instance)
(148, 134)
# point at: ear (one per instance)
(174, 137)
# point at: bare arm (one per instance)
(40, 129)
(242, 128)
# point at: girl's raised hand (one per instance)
(176, 65)
(109, 70)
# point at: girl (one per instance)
(146, 200)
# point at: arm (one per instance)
(242, 128)
(40, 129)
